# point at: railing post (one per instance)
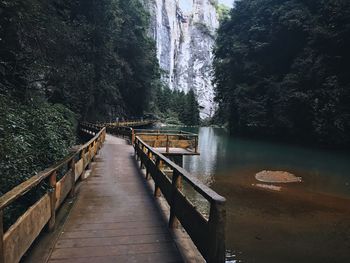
(132, 136)
(196, 144)
(157, 191)
(98, 142)
(217, 223)
(149, 156)
(72, 178)
(167, 144)
(89, 159)
(2, 251)
(52, 194)
(95, 148)
(176, 185)
(103, 136)
(142, 166)
(82, 156)
(137, 149)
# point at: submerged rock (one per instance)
(269, 187)
(277, 177)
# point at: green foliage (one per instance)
(281, 69)
(33, 137)
(223, 11)
(175, 107)
(92, 56)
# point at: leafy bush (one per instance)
(32, 137)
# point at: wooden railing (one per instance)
(157, 138)
(134, 123)
(169, 139)
(163, 131)
(207, 234)
(19, 237)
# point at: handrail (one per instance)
(201, 188)
(26, 186)
(128, 123)
(180, 132)
(168, 140)
(23, 188)
(43, 212)
(169, 134)
(207, 235)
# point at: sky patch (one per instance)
(228, 3)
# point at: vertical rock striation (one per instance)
(184, 31)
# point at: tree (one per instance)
(280, 69)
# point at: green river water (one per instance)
(303, 222)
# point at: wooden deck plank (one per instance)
(100, 251)
(112, 241)
(126, 225)
(115, 218)
(114, 232)
(163, 257)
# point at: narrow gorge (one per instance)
(184, 31)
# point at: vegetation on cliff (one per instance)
(281, 69)
(176, 107)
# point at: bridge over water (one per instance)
(124, 210)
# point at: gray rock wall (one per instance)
(184, 31)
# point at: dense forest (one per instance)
(66, 61)
(281, 69)
(175, 107)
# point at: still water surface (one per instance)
(303, 222)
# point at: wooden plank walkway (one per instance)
(115, 218)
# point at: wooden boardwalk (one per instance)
(115, 218)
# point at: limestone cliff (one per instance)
(184, 31)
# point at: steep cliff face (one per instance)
(184, 31)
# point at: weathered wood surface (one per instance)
(21, 235)
(207, 234)
(163, 131)
(79, 168)
(16, 241)
(170, 142)
(26, 186)
(135, 123)
(174, 151)
(63, 187)
(115, 218)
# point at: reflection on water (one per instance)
(307, 222)
(204, 166)
(323, 171)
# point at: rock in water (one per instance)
(268, 187)
(277, 177)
